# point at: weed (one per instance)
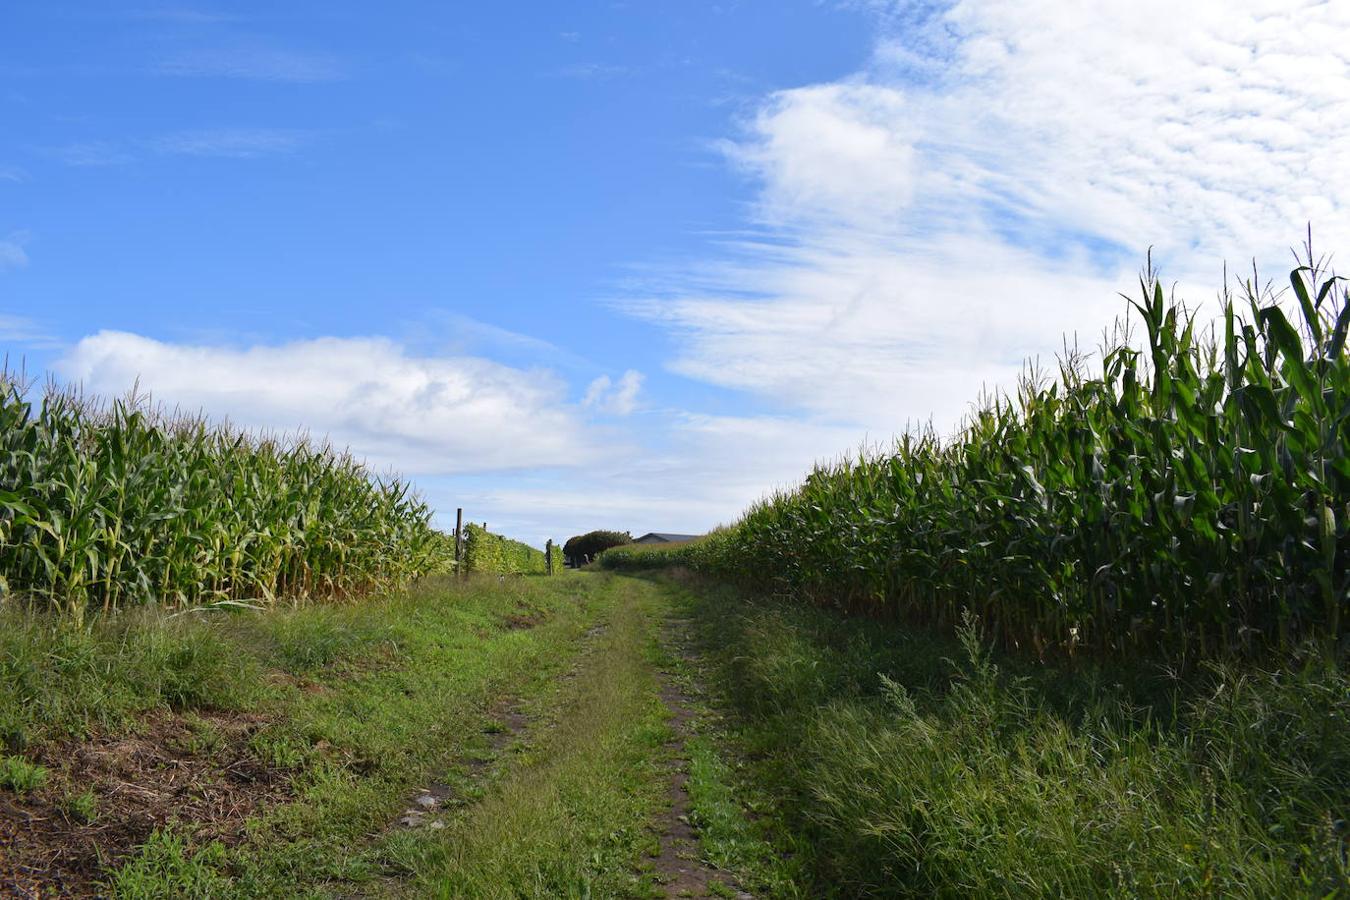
(82, 807)
(19, 775)
(169, 868)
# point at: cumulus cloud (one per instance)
(991, 178)
(836, 150)
(414, 414)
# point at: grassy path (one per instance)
(596, 736)
(524, 737)
(595, 801)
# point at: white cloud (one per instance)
(21, 330)
(415, 414)
(92, 154)
(834, 150)
(993, 176)
(702, 471)
(619, 399)
(13, 173)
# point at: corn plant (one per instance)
(106, 505)
(486, 552)
(1190, 492)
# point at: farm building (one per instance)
(661, 537)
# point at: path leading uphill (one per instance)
(520, 737)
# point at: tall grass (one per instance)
(1189, 492)
(899, 763)
(109, 505)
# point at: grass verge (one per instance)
(257, 754)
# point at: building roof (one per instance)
(664, 537)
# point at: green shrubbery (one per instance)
(101, 507)
(1192, 494)
(492, 553)
(584, 548)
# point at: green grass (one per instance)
(81, 807)
(903, 763)
(170, 867)
(571, 818)
(721, 808)
(21, 776)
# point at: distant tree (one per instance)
(583, 548)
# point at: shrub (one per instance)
(584, 548)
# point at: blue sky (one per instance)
(631, 264)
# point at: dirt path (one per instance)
(680, 868)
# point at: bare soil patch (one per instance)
(679, 866)
(192, 769)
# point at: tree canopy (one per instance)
(583, 548)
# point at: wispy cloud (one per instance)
(24, 332)
(12, 254)
(13, 174)
(231, 143)
(991, 178)
(593, 71)
(93, 154)
(220, 143)
(464, 334)
(251, 62)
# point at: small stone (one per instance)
(411, 821)
(426, 801)
(437, 825)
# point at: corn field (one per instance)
(108, 505)
(1189, 492)
(489, 553)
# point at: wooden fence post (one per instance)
(459, 540)
(548, 557)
